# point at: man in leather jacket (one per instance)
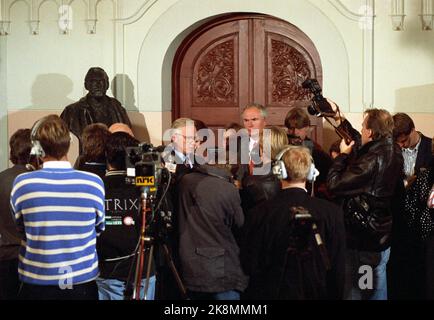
(367, 184)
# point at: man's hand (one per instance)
(346, 148)
(338, 115)
(408, 182)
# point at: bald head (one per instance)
(121, 127)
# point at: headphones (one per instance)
(280, 171)
(37, 149)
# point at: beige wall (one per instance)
(136, 40)
(147, 126)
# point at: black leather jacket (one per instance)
(376, 173)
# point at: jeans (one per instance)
(113, 289)
(226, 295)
(365, 275)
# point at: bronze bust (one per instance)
(95, 107)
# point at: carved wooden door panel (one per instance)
(228, 63)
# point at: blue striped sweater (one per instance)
(61, 211)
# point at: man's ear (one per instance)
(370, 133)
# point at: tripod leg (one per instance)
(138, 276)
(148, 270)
(175, 272)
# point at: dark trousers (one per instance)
(9, 283)
(85, 291)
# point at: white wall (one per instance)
(404, 62)
(137, 39)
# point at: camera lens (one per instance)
(312, 110)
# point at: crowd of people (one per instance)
(282, 220)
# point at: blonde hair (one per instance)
(181, 123)
(278, 140)
(298, 162)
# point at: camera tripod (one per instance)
(146, 247)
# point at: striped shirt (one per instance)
(61, 211)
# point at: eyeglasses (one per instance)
(188, 139)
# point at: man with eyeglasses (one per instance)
(179, 159)
(183, 139)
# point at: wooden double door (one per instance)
(240, 59)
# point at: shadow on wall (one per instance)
(415, 99)
(25, 118)
(123, 90)
(50, 91)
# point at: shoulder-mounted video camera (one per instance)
(320, 107)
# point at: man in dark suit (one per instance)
(408, 257)
(278, 269)
(10, 238)
(179, 159)
(416, 148)
(179, 155)
(254, 120)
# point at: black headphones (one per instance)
(280, 171)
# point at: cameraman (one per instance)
(117, 245)
(298, 124)
(368, 183)
(267, 240)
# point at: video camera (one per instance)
(144, 167)
(146, 171)
(320, 107)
